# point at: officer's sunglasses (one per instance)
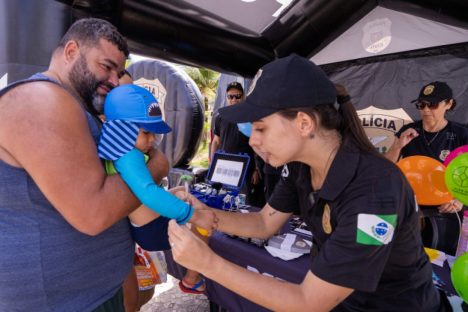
(420, 105)
(234, 96)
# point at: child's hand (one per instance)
(187, 249)
(180, 193)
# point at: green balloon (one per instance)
(456, 178)
(460, 276)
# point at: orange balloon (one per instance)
(427, 178)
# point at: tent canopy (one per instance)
(239, 36)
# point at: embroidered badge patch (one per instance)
(327, 228)
(375, 229)
(443, 154)
(428, 90)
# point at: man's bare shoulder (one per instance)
(30, 93)
(39, 112)
(39, 101)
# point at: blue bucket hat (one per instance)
(128, 108)
(135, 104)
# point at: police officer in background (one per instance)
(434, 136)
(229, 139)
(358, 205)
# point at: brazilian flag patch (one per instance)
(375, 229)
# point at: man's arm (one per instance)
(313, 294)
(45, 131)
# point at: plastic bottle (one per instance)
(463, 241)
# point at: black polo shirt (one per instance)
(441, 144)
(453, 135)
(370, 239)
(232, 141)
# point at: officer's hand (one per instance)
(205, 219)
(407, 136)
(452, 206)
(187, 249)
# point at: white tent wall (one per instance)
(384, 31)
(386, 57)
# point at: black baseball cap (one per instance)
(234, 85)
(289, 82)
(435, 92)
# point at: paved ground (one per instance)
(168, 298)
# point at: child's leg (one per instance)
(192, 278)
(149, 229)
(130, 292)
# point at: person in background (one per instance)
(229, 139)
(364, 225)
(434, 136)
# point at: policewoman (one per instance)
(434, 136)
(357, 204)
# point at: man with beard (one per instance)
(65, 242)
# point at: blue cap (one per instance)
(135, 104)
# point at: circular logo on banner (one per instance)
(377, 35)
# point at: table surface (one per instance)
(258, 259)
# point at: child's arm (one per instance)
(132, 169)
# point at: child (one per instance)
(133, 117)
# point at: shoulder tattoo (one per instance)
(272, 213)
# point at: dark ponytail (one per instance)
(351, 128)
